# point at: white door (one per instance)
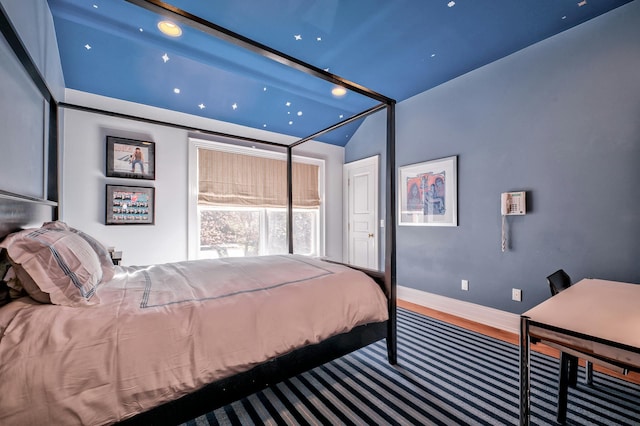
(361, 201)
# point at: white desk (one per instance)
(594, 317)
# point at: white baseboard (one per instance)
(482, 314)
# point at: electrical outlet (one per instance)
(516, 294)
(465, 285)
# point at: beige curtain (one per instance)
(232, 179)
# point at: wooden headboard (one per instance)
(17, 212)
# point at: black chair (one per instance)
(558, 281)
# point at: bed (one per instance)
(111, 295)
(87, 342)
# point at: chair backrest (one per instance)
(558, 281)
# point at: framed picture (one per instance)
(130, 205)
(129, 158)
(428, 193)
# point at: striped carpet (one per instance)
(445, 375)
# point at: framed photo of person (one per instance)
(130, 158)
(428, 193)
(130, 205)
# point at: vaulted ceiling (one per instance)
(395, 48)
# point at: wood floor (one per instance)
(502, 335)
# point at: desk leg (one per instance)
(564, 379)
(525, 398)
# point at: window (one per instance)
(238, 202)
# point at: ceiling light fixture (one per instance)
(169, 28)
(338, 91)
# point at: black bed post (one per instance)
(53, 187)
(290, 199)
(390, 240)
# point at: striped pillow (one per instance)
(103, 254)
(55, 265)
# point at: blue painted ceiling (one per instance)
(396, 48)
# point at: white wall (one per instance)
(83, 177)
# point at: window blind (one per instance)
(232, 179)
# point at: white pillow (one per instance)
(55, 265)
(101, 251)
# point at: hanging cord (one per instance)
(504, 233)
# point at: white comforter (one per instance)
(162, 331)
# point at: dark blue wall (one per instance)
(561, 120)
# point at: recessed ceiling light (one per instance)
(176, 90)
(451, 3)
(297, 37)
(290, 123)
(288, 104)
(165, 58)
(338, 91)
(95, 6)
(582, 3)
(169, 28)
(87, 46)
(141, 30)
(202, 106)
(319, 38)
(234, 106)
(299, 113)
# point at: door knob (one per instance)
(370, 235)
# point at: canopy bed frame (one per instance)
(18, 211)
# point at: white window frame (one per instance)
(193, 227)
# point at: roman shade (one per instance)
(233, 179)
